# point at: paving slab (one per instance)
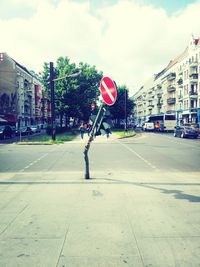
(115, 219)
(25, 252)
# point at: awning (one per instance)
(10, 118)
(2, 120)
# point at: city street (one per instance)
(141, 206)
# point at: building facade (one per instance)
(175, 90)
(22, 100)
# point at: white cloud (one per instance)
(127, 41)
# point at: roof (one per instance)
(22, 67)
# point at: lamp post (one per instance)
(53, 128)
(52, 80)
(125, 109)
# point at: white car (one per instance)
(35, 128)
(148, 126)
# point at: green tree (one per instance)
(73, 95)
(123, 106)
(89, 82)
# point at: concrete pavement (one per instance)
(59, 219)
(147, 217)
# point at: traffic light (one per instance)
(104, 125)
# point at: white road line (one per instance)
(177, 142)
(108, 91)
(138, 155)
(34, 162)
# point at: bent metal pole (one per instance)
(87, 147)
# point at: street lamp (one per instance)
(52, 80)
(125, 109)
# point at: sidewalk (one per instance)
(97, 139)
(56, 219)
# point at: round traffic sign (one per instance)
(108, 91)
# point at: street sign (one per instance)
(108, 91)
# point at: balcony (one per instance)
(171, 100)
(171, 89)
(159, 95)
(159, 103)
(171, 76)
(180, 73)
(150, 105)
(194, 77)
(29, 93)
(193, 110)
(193, 94)
(180, 82)
(159, 86)
(180, 98)
(194, 64)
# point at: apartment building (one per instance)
(175, 90)
(22, 96)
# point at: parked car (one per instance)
(35, 128)
(185, 131)
(148, 126)
(14, 130)
(6, 132)
(26, 130)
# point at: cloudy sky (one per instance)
(129, 40)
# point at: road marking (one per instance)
(34, 162)
(108, 91)
(177, 142)
(139, 156)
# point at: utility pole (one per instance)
(53, 126)
(52, 80)
(125, 109)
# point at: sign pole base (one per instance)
(87, 147)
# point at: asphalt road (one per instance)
(148, 152)
(141, 207)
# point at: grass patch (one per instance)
(46, 139)
(123, 134)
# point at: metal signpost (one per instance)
(109, 94)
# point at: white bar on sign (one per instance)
(108, 91)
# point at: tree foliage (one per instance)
(123, 105)
(73, 95)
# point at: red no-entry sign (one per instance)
(108, 91)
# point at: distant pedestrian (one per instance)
(83, 129)
(108, 132)
(157, 126)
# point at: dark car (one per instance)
(185, 131)
(6, 132)
(14, 130)
(26, 130)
